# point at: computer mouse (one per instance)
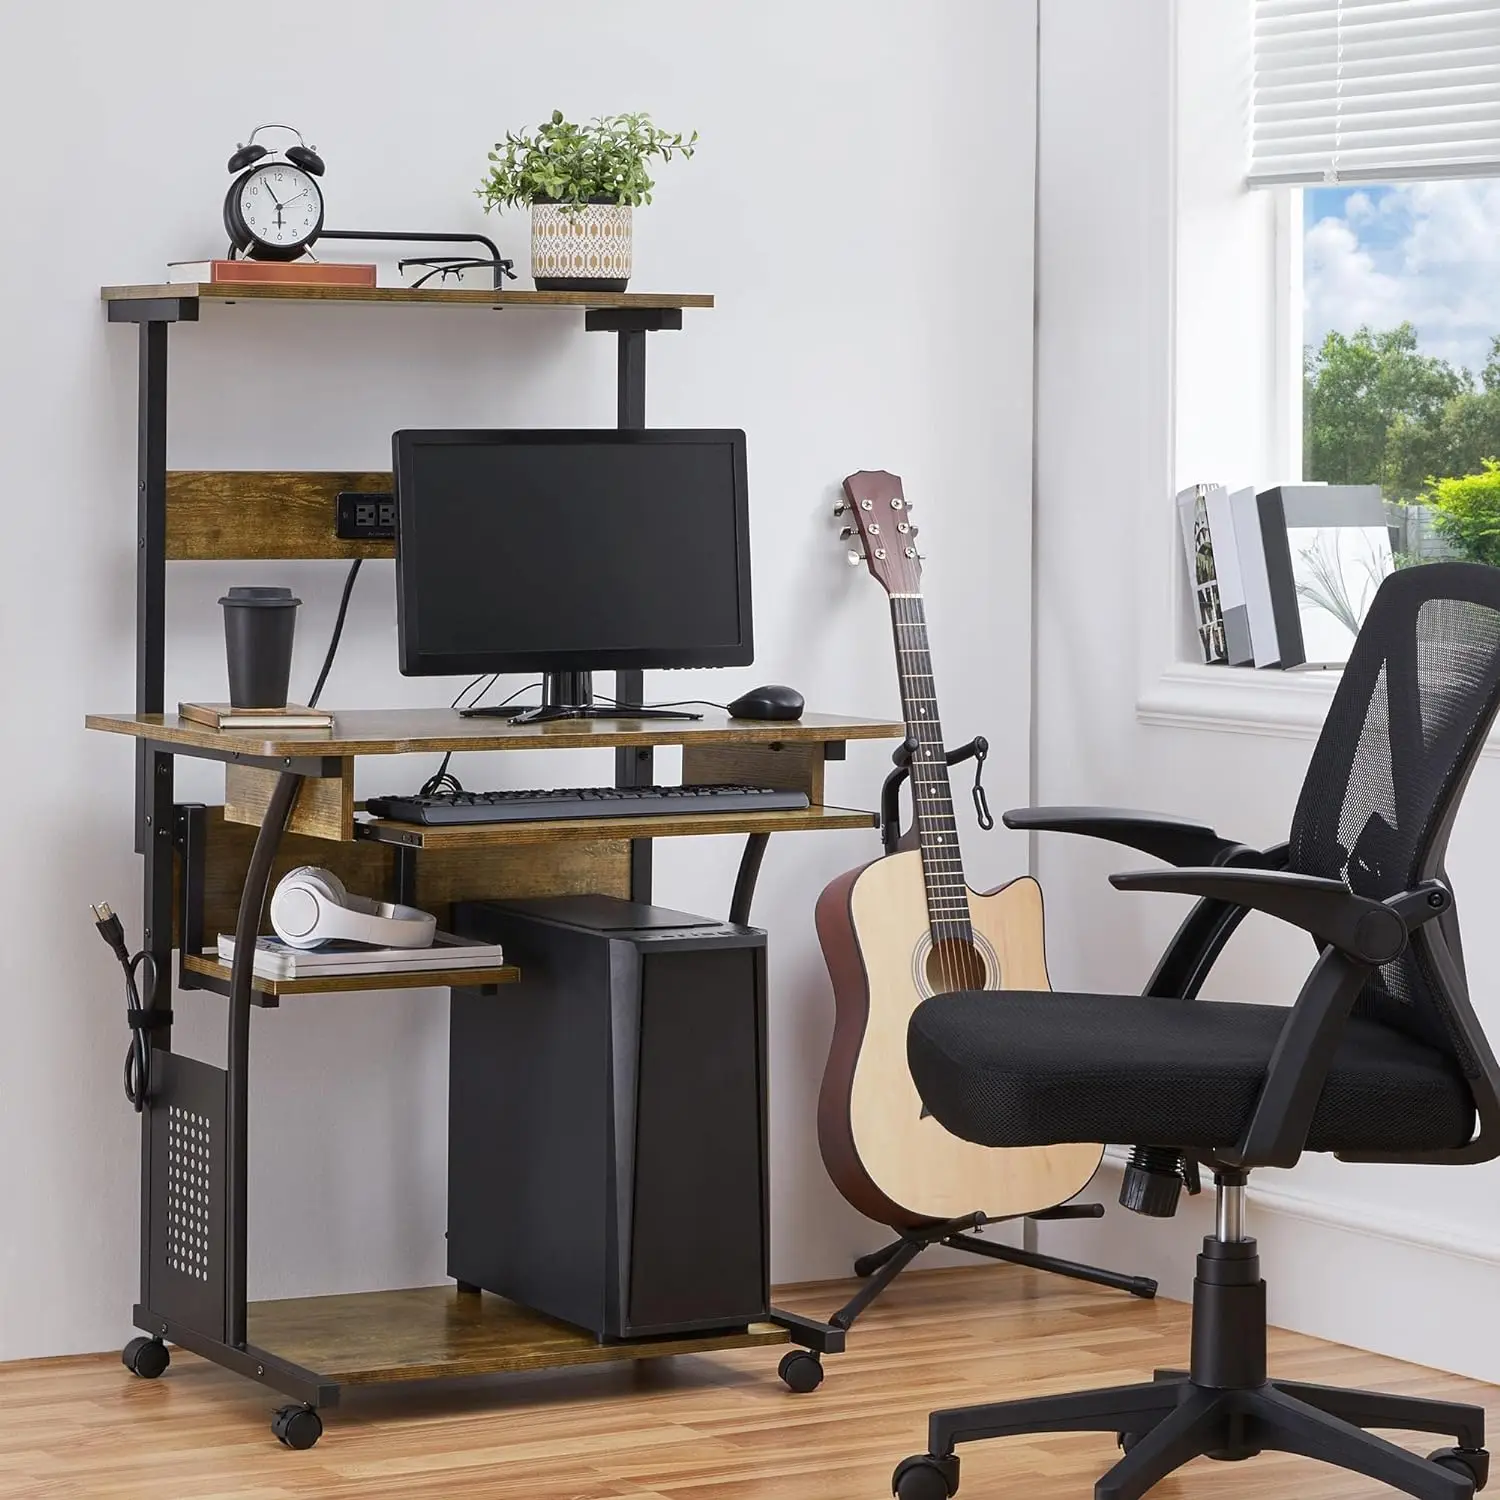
(773, 701)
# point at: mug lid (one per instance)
(258, 596)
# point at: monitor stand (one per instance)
(570, 695)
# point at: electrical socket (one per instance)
(361, 517)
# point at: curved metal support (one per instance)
(744, 884)
(237, 1104)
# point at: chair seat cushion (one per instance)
(1038, 1068)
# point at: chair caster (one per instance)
(145, 1357)
(1128, 1440)
(1471, 1463)
(297, 1426)
(924, 1477)
(802, 1370)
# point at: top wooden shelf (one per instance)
(402, 731)
(407, 296)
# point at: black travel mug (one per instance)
(258, 627)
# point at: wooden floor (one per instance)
(710, 1427)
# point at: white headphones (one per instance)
(310, 906)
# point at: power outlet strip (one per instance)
(365, 517)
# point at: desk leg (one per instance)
(744, 884)
(237, 1113)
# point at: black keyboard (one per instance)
(583, 802)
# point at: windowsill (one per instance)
(1242, 700)
(1239, 700)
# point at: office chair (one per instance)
(1381, 1057)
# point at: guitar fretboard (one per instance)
(932, 795)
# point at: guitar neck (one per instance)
(932, 793)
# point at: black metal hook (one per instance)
(977, 749)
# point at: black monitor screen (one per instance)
(562, 551)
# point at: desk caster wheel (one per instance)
(926, 1478)
(1471, 1463)
(297, 1426)
(147, 1358)
(802, 1370)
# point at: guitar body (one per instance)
(894, 1163)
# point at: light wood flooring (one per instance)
(710, 1427)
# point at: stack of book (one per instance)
(226, 716)
(1283, 578)
(448, 954)
(270, 273)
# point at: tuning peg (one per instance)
(846, 533)
(854, 559)
(840, 508)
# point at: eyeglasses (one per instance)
(444, 267)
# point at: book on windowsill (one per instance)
(226, 716)
(277, 960)
(271, 272)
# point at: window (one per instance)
(1401, 340)
(1384, 117)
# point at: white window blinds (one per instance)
(1375, 90)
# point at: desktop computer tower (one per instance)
(607, 1118)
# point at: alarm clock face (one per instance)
(281, 205)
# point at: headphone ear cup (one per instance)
(247, 156)
(306, 158)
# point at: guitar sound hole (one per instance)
(954, 965)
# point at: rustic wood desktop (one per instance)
(289, 800)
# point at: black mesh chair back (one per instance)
(1405, 729)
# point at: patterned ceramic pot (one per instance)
(583, 249)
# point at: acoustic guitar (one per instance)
(906, 927)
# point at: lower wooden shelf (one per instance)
(437, 1332)
(328, 984)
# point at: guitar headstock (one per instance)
(876, 512)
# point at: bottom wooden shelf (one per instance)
(435, 1332)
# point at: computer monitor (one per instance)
(569, 552)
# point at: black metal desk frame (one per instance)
(210, 1316)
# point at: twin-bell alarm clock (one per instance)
(274, 207)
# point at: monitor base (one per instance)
(545, 713)
(570, 695)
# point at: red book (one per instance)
(271, 272)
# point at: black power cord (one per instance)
(338, 631)
(442, 781)
(142, 1015)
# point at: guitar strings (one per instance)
(932, 798)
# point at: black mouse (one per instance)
(773, 701)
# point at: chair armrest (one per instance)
(1178, 841)
(1358, 935)
(1369, 932)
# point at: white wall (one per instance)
(1401, 1259)
(838, 171)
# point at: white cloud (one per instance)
(1426, 253)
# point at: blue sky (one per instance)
(1427, 253)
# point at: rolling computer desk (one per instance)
(289, 800)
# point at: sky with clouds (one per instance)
(1427, 253)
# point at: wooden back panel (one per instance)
(239, 513)
(443, 876)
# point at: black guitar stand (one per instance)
(801, 1369)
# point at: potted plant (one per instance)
(581, 182)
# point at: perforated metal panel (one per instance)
(185, 1280)
(191, 1188)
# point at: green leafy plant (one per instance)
(605, 161)
(1466, 511)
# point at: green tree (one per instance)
(1358, 389)
(1467, 511)
(1467, 432)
